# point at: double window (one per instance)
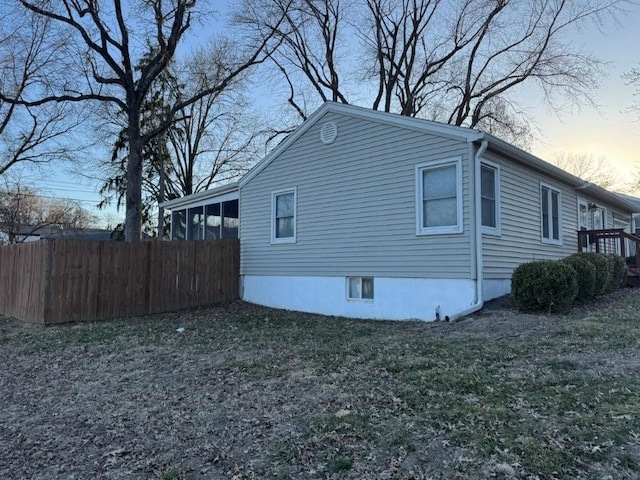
(283, 216)
(551, 211)
(439, 197)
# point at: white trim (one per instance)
(419, 189)
(395, 298)
(274, 239)
(497, 230)
(551, 240)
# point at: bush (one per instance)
(544, 286)
(603, 270)
(618, 271)
(585, 274)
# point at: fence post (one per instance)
(47, 273)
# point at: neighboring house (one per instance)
(367, 214)
(32, 233)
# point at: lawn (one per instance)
(248, 392)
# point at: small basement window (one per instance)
(360, 288)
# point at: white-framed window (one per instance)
(360, 288)
(490, 197)
(550, 214)
(283, 216)
(439, 197)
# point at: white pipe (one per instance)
(476, 231)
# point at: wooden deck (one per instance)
(616, 241)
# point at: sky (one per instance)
(611, 130)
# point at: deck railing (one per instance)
(612, 240)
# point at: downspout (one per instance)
(476, 232)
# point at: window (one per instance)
(439, 197)
(213, 220)
(551, 214)
(490, 198)
(195, 224)
(230, 219)
(283, 216)
(178, 225)
(360, 288)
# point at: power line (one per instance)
(34, 195)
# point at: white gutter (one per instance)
(476, 233)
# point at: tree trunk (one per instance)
(160, 152)
(133, 220)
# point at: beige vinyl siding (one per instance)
(356, 211)
(521, 234)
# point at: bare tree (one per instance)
(211, 141)
(25, 212)
(106, 38)
(460, 62)
(632, 78)
(586, 166)
(29, 135)
(310, 35)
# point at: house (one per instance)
(361, 213)
(23, 233)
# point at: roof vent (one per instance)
(328, 133)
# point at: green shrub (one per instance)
(618, 271)
(544, 286)
(603, 270)
(585, 274)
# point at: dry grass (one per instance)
(248, 392)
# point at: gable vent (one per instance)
(328, 133)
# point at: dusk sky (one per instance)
(611, 131)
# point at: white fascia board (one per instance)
(201, 197)
(531, 161)
(410, 123)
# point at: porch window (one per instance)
(283, 216)
(195, 223)
(550, 202)
(178, 225)
(213, 221)
(439, 197)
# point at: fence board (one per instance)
(58, 281)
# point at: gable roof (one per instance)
(464, 134)
(392, 119)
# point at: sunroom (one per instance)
(208, 215)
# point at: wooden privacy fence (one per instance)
(59, 281)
